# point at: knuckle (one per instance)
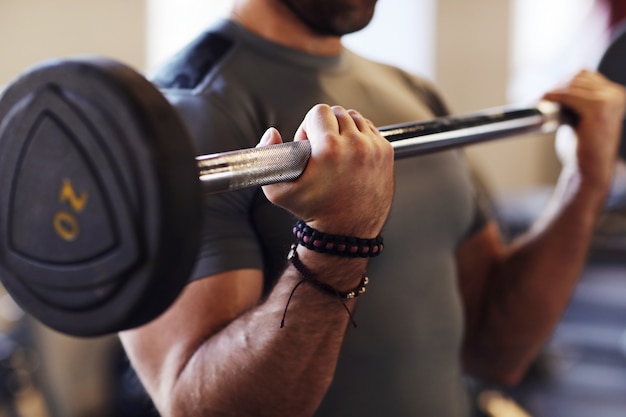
(321, 107)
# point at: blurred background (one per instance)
(480, 53)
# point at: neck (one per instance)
(274, 21)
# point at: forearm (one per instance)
(520, 293)
(530, 285)
(252, 367)
(218, 350)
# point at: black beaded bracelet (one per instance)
(347, 246)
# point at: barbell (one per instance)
(101, 192)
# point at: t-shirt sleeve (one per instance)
(229, 241)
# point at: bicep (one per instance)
(160, 349)
(476, 258)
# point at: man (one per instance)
(445, 296)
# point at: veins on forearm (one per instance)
(253, 365)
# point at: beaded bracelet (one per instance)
(307, 276)
(347, 246)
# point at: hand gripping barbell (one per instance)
(100, 190)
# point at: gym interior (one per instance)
(481, 54)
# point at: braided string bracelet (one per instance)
(307, 276)
(338, 245)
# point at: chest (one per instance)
(433, 203)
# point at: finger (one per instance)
(345, 120)
(581, 85)
(363, 124)
(359, 120)
(373, 128)
(270, 137)
(319, 120)
(300, 133)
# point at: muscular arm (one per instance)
(220, 351)
(514, 296)
(217, 352)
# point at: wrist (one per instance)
(586, 190)
(294, 258)
(342, 273)
(308, 277)
(338, 245)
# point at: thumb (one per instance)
(270, 137)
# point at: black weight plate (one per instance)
(613, 66)
(100, 199)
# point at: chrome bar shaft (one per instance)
(278, 163)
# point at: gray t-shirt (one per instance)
(403, 359)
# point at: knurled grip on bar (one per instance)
(285, 162)
(253, 167)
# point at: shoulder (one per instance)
(202, 83)
(192, 64)
(415, 84)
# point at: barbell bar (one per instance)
(277, 163)
(101, 191)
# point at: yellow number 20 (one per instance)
(65, 223)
